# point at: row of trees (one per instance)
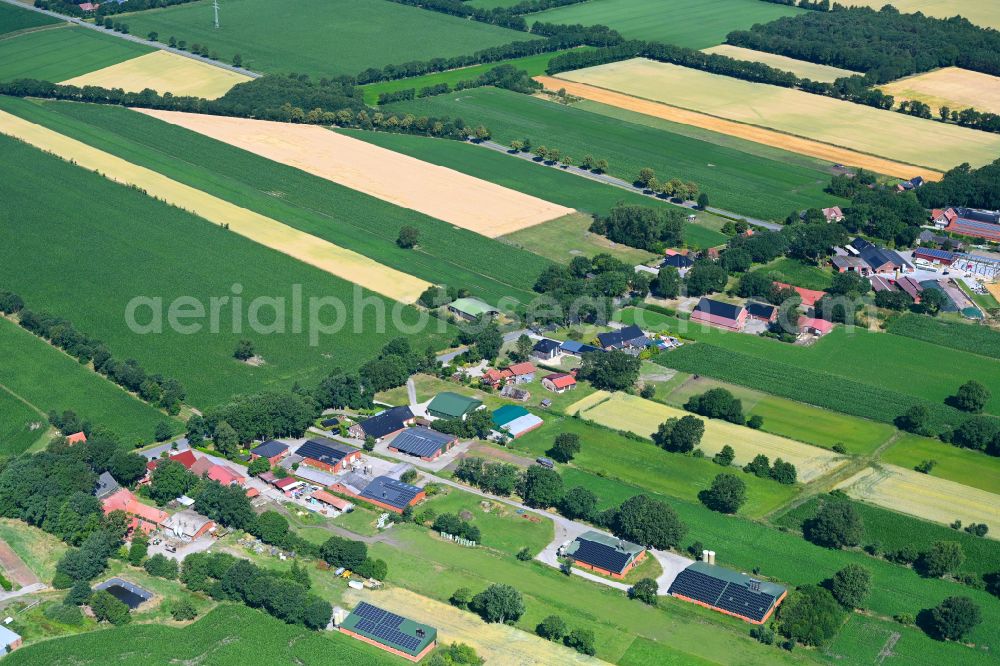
(554, 155)
(502, 76)
(652, 229)
(674, 188)
(155, 389)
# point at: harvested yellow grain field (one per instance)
(338, 261)
(953, 87)
(496, 643)
(457, 198)
(801, 68)
(924, 496)
(856, 127)
(631, 413)
(164, 72)
(985, 13)
(761, 135)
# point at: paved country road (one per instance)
(134, 38)
(621, 184)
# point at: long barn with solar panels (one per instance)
(423, 443)
(728, 592)
(393, 633)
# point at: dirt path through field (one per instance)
(17, 571)
(767, 137)
(456, 198)
(309, 249)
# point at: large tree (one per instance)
(835, 525)
(943, 557)
(566, 446)
(717, 403)
(578, 503)
(954, 617)
(648, 522)
(810, 615)
(541, 487)
(971, 397)
(727, 494)
(680, 435)
(499, 603)
(851, 586)
(610, 371)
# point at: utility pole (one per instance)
(215, 6)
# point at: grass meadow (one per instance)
(13, 19)
(122, 244)
(694, 25)
(965, 466)
(891, 363)
(864, 129)
(47, 379)
(550, 238)
(345, 217)
(795, 272)
(18, 424)
(893, 531)
(734, 180)
(795, 420)
(39, 550)
(61, 53)
(230, 635)
(273, 39)
(610, 454)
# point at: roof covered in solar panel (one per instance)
(389, 629)
(727, 590)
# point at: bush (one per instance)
(183, 609)
(581, 640)
(552, 628)
(107, 608)
(64, 614)
(161, 566)
(461, 598)
(645, 590)
(942, 558)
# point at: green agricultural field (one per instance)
(228, 636)
(345, 217)
(981, 340)
(61, 53)
(47, 379)
(734, 180)
(888, 359)
(322, 37)
(893, 531)
(501, 527)
(694, 25)
(39, 550)
(21, 425)
(124, 245)
(796, 420)
(970, 468)
(534, 65)
(786, 557)
(14, 18)
(864, 640)
(551, 184)
(644, 464)
(795, 272)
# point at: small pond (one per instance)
(128, 593)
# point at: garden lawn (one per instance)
(62, 53)
(551, 184)
(891, 363)
(16, 421)
(534, 65)
(14, 18)
(694, 25)
(965, 466)
(570, 236)
(644, 464)
(345, 217)
(368, 33)
(795, 272)
(893, 531)
(230, 635)
(502, 529)
(123, 244)
(786, 557)
(49, 379)
(734, 180)
(796, 420)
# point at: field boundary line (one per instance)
(755, 133)
(28, 31)
(334, 260)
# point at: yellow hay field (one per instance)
(164, 72)
(994, 288)
(860, 128)
(794, 144)
(642, 417)
(457, 198)
(338, 261)
(801, 68)
(985, 13)
(924, 496)
(496, 643)
(953, 87)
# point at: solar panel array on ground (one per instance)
(388, 628)
(733, 596)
